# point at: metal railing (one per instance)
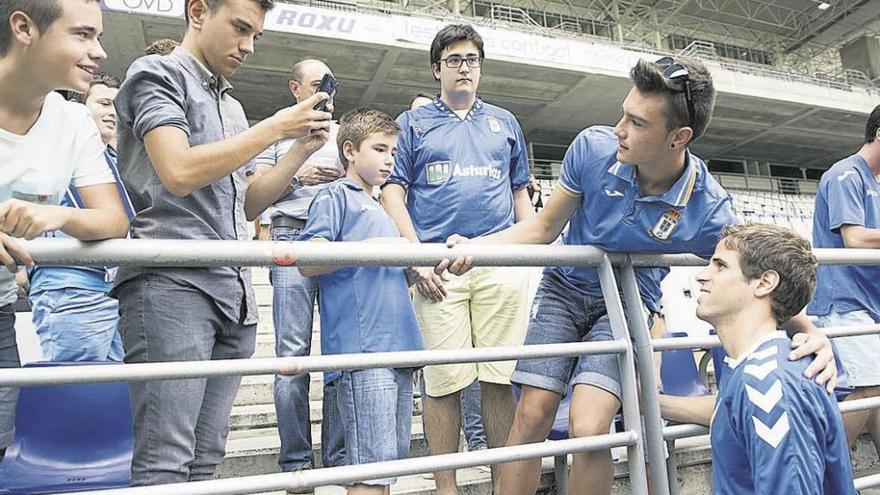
(631, 347)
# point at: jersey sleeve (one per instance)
(326, 215)
(784, 430)
(519, 159)
(151, 97)
(846, 205)
(403, 172)
(572, 166)
(90, 166)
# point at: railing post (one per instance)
(638, 478)
(644, 350)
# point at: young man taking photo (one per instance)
(184, 146)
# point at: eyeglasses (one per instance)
(454, 61)
(674, 71)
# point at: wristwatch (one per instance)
(295, 183)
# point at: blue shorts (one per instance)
(376, 408)
(561, 315)
(858, 354)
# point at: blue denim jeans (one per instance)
(293, 306)
(562, 315)
(180, 426)
(376, 409)
(8, 359)
(77, 325)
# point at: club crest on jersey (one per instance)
(664, 227)
(438, 172)
(494, 125)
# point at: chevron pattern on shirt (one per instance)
(775, 434)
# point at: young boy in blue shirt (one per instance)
(365, 309)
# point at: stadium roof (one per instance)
(555, 85)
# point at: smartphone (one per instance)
(329, 84)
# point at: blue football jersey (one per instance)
(774, 431)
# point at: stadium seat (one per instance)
(678, 372)
(69, 438)
(679, 376)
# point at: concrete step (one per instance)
(258, 416)
(257, 452)
(258, 389)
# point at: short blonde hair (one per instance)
(359, 123)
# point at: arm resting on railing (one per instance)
(687, 409)
(858, 237)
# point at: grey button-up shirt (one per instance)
(179, 91)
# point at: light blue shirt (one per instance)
(848, 195)
(363, 309)
(614, 215)
(774, 431)
(295, 204)
(460, 174)
(96, 278)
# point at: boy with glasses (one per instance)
(462, 168)
(633, 188)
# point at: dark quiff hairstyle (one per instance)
(266, 5)
(162, 47)
(648, 78)
(764, 248)
(42, 12)
(99, 79)
(356, 125)
(873, 125)
(451, 35)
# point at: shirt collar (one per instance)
(110, 151)
(680, 192)
(199, 71)
(863, 164)
(352, 184)
(733, 363)
(475, 108)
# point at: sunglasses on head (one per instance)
(674, 71)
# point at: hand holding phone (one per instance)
(329, 84)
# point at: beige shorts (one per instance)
(486, 307)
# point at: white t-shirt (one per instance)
(63, 147)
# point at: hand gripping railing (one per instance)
(257, 253)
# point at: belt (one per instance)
(290, 222)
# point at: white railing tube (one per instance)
(360, 472)
(672, 343)
(200, 253)
(29, 376)
(825, 257)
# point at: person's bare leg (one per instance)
(872, 422)
(592, 411)
(367, 490)
(531, 423)
(498, 410)
(854, 423)
(442, 417)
